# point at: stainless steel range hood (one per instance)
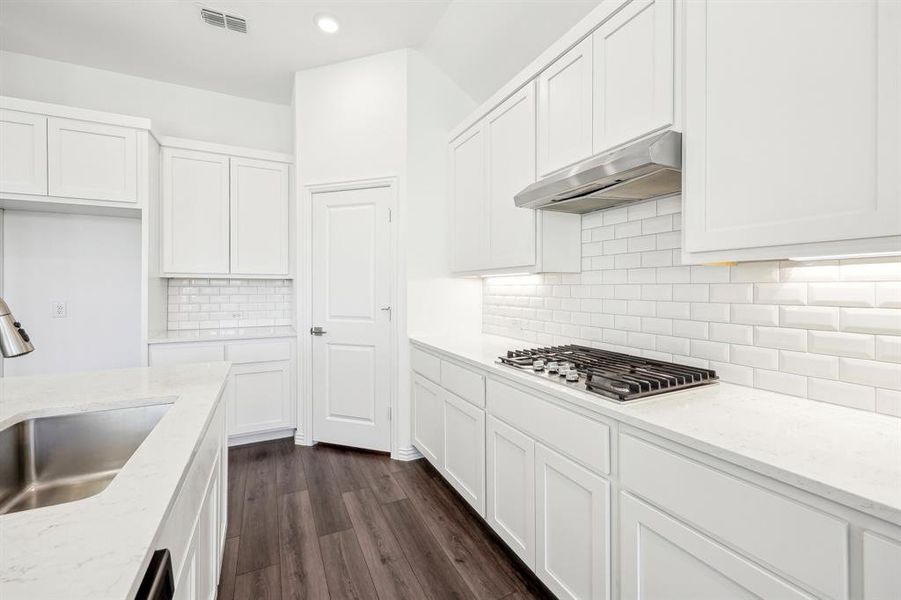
(645, 169)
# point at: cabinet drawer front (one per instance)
(92, 160)
(581, 438)
(425, 364)
(810, 546)
(463, 382)
(249, 352)
(181, 354)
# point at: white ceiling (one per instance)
(479, 43)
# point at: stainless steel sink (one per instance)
(53, 460)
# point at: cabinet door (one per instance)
(564, 110)
(186, 584)
(573, 515)
(468, 194)
(881, 562)
(92, 160)
(23, 153)
(428, 420)
(464, 449)
(662, 558)
(259, 398)
(260, 192)
(633, 73)
(195, 212)
(510, 136)
(777, 152)
(511, 488)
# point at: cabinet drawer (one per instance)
(797, 540)
(425, 364)
(463, 382)
(180, 354)
(249, 352)
(583, 439)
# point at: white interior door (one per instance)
(351, 287)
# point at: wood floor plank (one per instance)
(262, 584)
(237, 476)
(259, 526)
(302, 572)
(290, 474)
(376, 471)
(345, 567)
(459, 536)
(436, 574)
(348, 475)
(226, 590)
(328, 507)
(391, 573)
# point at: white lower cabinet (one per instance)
(464, 449)
(259, 395)
(572, 507)
(428, 420)
(881, 567)
(661, 558)
(511, 488)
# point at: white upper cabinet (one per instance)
(23, 152)
(792, 127)
(92, 161)
(564, 110)
(195, 212)
(468, 193)
(510, 136)
(633, 73)
(260, 227)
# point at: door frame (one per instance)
(305, 435)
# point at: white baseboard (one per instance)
(408, 453)
(301, 440)
(265, 436)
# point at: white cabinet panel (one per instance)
(428, 420)
(881, 567)
(464, 449)
(510, 167)
(573, 515)
(463, 382)
(182, 354)
(633, 73)
(427, 365)
(259, 398)
(564, 110)
(467, 197)
(260, 222)
(660, 558)
(92, 161)
(511, 488)
(195, 212)
(23, 153)
(776, 152)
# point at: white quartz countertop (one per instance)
(98, 548)
(213, 335)
(850, 456)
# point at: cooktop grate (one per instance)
(622, 377)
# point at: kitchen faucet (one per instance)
(13, 339)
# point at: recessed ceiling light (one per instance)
(327, 24)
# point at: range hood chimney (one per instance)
(645, 169)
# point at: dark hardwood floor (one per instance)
(332, 522)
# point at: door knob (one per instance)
(317, 331)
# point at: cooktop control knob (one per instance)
(572, 375)
(552, 367)
(538, 364)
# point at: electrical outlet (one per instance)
(237, 315)
(58, 309)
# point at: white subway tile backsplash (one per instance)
(809, 317)
(871, 320)
(842, 344)
(218, 303)
(828, 330)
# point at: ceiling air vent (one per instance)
(223, 21)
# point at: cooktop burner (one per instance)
(622, 377)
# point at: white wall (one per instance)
(174, 110)
(93, 264)
(381, 116)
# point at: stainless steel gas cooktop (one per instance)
(621, 377)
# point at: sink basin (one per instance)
(53, 460)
